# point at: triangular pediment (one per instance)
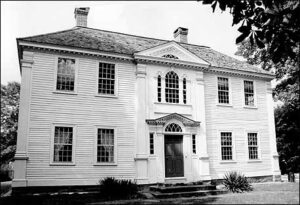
(174, 116)
(172, 51)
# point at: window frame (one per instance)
(194, 146)
(233, 160)
(151, 133)
(74, 137)
(259, 159)
(254, 94)
(159, 88)
(229, 92)
(165, 88)
(96, 163)
(74, 92)
(116, 90)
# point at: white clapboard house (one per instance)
(98, 104)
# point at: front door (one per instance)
(173, 156)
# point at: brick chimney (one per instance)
(180, 35)
(81, 16)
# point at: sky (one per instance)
(156, 19)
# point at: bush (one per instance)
(236, 182)
(111, 188)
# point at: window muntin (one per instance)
(151, 137)
(65, 79)
(159, 88)
(223, 90)
(172, 87)
(184, 90)
(249, 93)
(170, 56)
(226, 145)
(105, 146)
(172, 127)
(194, 144)
(63, 144)
(252, 146)
(106, 79)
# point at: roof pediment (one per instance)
(171, 51)
(163, 120)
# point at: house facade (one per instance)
(98, 104)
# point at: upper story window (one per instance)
(223, 90)
(226, 145)
(184, 90)
(170, 56)
(106, 79)
(65, 74)
(63, 144)
(173, 128)
(252, 146)
(159, 88)
(249, 93)
(172, 87)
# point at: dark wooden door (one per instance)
(173, 156)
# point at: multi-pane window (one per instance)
(106, 79)
(184, 90)
(159, 88)
(65, 74)
(252, 146)
(194, 143)
(170, 56)
(173, 128)
(172, 87)
(223, 90)
(226, 145)
(105, 145)
(63, 140)
(151, 143)
(249, 93)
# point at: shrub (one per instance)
(111, 188)
(236, 182)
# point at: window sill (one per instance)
(106, 96)
(254, 161)
(105, 164)
(228, 162)
(224, 105)
(250, 107)
(179, 104)
(61, 164)
(63, 92)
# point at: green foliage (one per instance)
(236, 182)
(10, 95)
(111, 188)
(271, 25)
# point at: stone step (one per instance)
(186, 188)
(198, 193)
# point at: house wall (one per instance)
(85, 110)
(238, 120)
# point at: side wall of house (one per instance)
(85, 111)
(239, 120)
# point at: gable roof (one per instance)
(163, 120)
(108, 41)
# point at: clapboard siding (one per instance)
(239, 120)
(86, 111)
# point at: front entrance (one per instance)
(173, 156)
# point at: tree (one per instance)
(10, 96)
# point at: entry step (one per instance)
(185, 188)
(188, 193)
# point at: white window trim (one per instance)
(73, 144)
(116, 80)
(153, 144)
(258, 146)
(76, 76)
(254, 93)
(229, 92)
(196, 144)
(220, 147)
(115, 146)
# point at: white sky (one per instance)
(151, 19)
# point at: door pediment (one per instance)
(165, 119)
(171, 51)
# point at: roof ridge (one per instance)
(56, 32)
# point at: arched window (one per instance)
(159, 88)
(173, 128)
(172, 87)
(184, 90)
(170, 56)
